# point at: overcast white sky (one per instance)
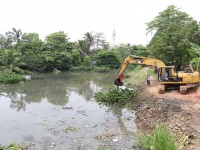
(77, 17)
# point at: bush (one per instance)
(7, 76)
(87, 61)
(117, 97)
(91, 68)
(160, 139)
(101, 69)
(82, 68)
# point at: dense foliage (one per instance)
(7, 76)
(173, 31)
(108, 58)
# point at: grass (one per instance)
(160, 139)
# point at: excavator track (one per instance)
(161, 89)
(183, 89)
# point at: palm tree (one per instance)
(11, 61)
(82, 46)
(14, 36)
(90, 39)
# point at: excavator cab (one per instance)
(167, 74)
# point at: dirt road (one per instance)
(181, 114)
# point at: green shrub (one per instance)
(87, 61)
(101, 69)
(117, 97)
(7, 76)
(160, 139)
(76, 58)
(90, 68)
(82, 68)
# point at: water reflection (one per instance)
(49, 104)
(54, 88)
(18, 102)
(122, 117)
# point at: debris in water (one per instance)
(53, 145)
(67, 108)
(116, 139)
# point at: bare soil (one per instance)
(180, 113)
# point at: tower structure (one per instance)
(114, 35)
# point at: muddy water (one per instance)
(60, 112)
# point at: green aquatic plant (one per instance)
(12, 146)
(117, 97)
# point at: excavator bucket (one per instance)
(117, 82)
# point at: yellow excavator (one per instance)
(168, 76)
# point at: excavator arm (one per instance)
(136, 60)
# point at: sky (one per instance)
(76, 17)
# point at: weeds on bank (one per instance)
(116, 97)
(8, 77)
(160, 139)
(91, 68)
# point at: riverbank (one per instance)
(180, 113)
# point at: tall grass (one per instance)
(163, 139)
(160, 139)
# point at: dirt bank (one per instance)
(181, 114)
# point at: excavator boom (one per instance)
(167, 75)
(139, 60)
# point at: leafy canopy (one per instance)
(173, 30)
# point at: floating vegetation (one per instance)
(70, 129)
(14, 146)
(117, 97)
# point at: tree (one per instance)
(99, 40)
(56, 41)
(124, 50)
(30, 43)
(173, 30)
(76, 58)
(108, 58)
(3, 40)
(82, 45)
(11, 60)
(89, 39)
(14, 36)
(196, 59)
